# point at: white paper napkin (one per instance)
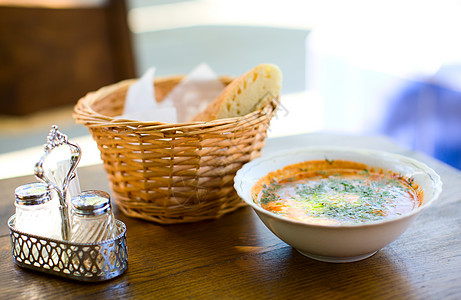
(187, 99)
(140, 103)
(195, 92)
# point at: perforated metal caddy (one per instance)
(80, 261)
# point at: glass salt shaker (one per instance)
(92, 218)
(37, 211)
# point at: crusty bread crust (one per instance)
(245, 94)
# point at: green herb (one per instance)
(410, 181)
(348, 199)
(364, 172)
(330, 161)
(269, 192)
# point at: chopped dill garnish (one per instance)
(330, 161)
(354, 198)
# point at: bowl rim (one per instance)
(238, 181)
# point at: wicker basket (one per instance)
(171, 173)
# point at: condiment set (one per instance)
(60, 230)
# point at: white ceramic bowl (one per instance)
(338, 243)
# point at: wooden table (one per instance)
(237, 257)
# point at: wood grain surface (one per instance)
(237, 257)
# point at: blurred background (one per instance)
(356, 67)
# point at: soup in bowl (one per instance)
(337, 204)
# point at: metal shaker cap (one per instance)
(91, 203)
(32, 194)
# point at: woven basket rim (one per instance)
(84, 114)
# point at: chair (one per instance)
(51, 57)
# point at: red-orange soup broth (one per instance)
(336, 192)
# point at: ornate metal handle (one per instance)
(55, 139)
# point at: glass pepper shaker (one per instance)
(92, 218)
(36, 211)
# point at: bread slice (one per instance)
(245, 94)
